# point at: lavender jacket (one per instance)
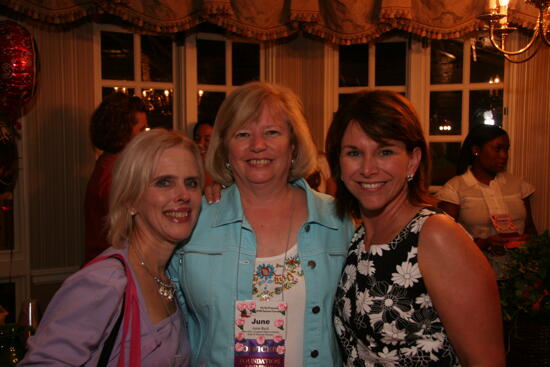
(82, 313)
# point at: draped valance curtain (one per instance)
(337, 21)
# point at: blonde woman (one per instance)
(154, 204)
(269, 240)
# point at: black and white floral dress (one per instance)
(383, 314)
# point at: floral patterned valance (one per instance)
(338, 21)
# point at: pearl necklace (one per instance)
(166, 290)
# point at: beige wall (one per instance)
(57, 155)
(299, 65)
(527, 96)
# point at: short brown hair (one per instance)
(246, 104)
(383, 115)
(133, 172)
(113, 120)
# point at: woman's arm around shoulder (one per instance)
(463, 290)
(75, 322)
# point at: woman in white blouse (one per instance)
(490, 203)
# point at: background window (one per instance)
(353, 65)
(485, 107)
(221, 65)
(390, 63)
(466, 90)
(117, 56)
(446, 62)
(210, 62)
(246, 62)
(380, 65)
(445, 113)
(156, 59)
(140, 65)
(209, 104)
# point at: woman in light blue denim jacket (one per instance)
(269, 238)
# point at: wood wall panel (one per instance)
(57, 154)
(299, 65)
(529, 128)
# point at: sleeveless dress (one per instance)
(383, 314)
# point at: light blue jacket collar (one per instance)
(231, 209)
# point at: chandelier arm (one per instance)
(517, 52)
(545, 35)
(513, 61)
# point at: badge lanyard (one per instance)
(260, 326)
(501, 220)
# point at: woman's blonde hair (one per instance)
(133, 172)
(246, 104)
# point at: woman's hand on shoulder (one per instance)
(464, 291)
(213, 192)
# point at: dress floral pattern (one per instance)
(383, 314)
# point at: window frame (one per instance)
(137, 84)
(191, 85)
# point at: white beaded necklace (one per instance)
(166, 290)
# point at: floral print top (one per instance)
(276, 274)
(383, 314)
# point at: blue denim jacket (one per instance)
(215, 267)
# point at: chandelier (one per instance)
(499, 28)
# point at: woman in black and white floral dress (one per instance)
(415, 290)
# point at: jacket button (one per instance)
(311, 264)
(314, 353)
(316, 309)
(307, 227)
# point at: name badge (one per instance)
(260, 333)
(503, 224)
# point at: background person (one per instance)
(155, 202)
(269, 239)
(114, 123)
(493, 205)
(415, 289)
(202, 132)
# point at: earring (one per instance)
(132, 212)
(292, 161)
(410, 178)
(476, 154)
(228, 165)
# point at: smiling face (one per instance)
(202, 137)
(376, 173)
(169, 207)
(492, 157)
(260, 152)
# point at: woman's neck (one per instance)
(265, 196)
(154, 254)
(482, 175)
(382, 226)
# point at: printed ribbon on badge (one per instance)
(503, 223)
(260, 333)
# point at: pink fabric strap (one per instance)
(131, 315)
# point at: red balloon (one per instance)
(17, 66)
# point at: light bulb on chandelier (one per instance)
(499, 28)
